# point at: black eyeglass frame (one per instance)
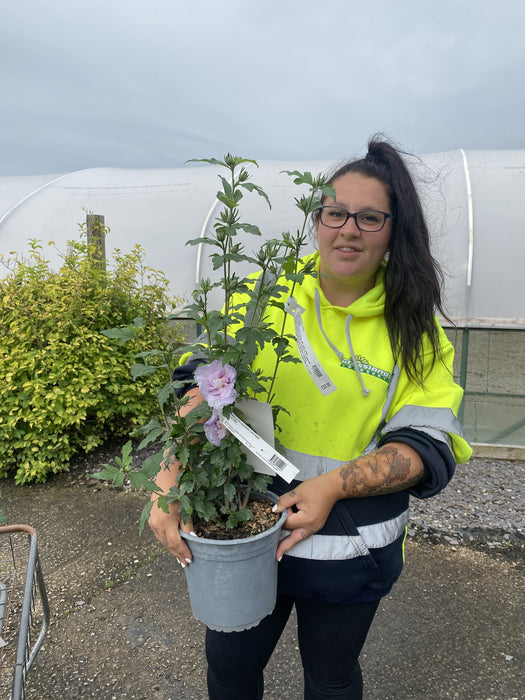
(354, 216)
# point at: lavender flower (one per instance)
(216, 383)
(214, 430)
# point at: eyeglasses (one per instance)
(368, 220)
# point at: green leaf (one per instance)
(210, 161)
(278, 304)
(300, 178)
(149, 353)
(204, 239)
(256, 188)
(126, 451)
(151, 425)
(146, 512)
(140, 370)
(172, 495)
(229, 491)
(227, 188)
(152, 436)
(138, 480)
(328, 191)
(151, 465)
(244, 515)
(109, 473)
(123, 335)
(162, 503)
(201, 479)
(260, 482)
(251, 228)
(165, 393)
(183, 454)
(219, 260)
(186, 508)
(205, 509)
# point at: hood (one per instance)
(370, 304)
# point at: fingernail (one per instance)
(274, 509)
(280, 558)
(188, 561)
(182, 563)
(194, 534)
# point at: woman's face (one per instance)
(350, 257)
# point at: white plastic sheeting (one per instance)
(473, 199)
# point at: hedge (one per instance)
(65, 387)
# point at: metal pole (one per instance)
(463, 370)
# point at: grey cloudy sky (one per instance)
(151, 83)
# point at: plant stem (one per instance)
(226, 266)
(247, 493)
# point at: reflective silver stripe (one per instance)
(310, 465)
(382, 534)
(435, 422)
(341, 547)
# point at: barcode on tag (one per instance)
(259, 447)
(306, 352)
(277, 462)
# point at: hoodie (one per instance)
(344, 398)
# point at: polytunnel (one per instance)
(472, 200)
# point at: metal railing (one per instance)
(24, 607)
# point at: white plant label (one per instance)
(310, 361)
(265, 457)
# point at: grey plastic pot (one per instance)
(233, 583)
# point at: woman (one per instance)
(372, 419)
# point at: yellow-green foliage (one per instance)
(64, 386)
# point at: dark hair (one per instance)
(413, 278)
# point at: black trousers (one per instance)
(330, 635)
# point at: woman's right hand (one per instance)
(165, 527)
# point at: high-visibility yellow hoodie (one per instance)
(352, 399)
(359, 552)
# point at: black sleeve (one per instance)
(438, 460)
(184, 373)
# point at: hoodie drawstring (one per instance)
(356, 365)
(335, 349)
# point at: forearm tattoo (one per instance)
(383, 471)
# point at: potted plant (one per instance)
(226, 465)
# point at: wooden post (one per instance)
(96, 238)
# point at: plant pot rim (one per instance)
(269, 496)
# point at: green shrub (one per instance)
(66, 387)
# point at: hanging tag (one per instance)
(259, 416)
(312, 365)
(263, 451)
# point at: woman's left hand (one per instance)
(308, 505)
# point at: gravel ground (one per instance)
(484, 504)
